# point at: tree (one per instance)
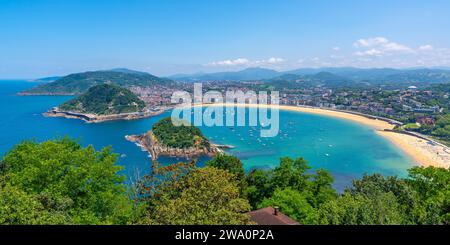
(232, 164)
(18, 207)
(423, 198)
(105, 99)
(291, 173)
(371, 186)
(321, 188)
(181, 136)
(63, 182)
(259, 186)
(205, 196)
(361, 210)
(292, 203)
(433, 187)
(442, 128)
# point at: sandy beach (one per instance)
(424, 152)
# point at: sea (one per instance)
(345, 148)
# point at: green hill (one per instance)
(80, 82)
(178, 136)
(105, 99)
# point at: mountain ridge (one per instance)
(78, 83)
(374, 76)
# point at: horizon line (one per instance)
(237, 70)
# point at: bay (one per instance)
(345, 148)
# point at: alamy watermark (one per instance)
(189, 111)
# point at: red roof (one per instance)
(270, 216)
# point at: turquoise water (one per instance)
(345, 148)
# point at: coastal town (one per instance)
(408, 111)
(416, 118)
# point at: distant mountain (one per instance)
(105, 99)
(349, 72)
(80, 82)
(331, 75)
(419, 76)
(256, 73)
(46, 79)
(386, 76)
(326, 79)
(186, 76)
(129, 71)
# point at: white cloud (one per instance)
(370, 52)
(426, 47)
(370, 42)
(273, 60)
(379, 46)
(248, 62)
(235, 62)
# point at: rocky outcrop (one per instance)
(149, 143)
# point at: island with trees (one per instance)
(181, 140)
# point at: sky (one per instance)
(41, 38)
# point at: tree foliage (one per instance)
(442, 128)
(232, 164)
(178, 136)
(105, 99)
(191, 195)
(61, 182)
(292, 174)
(422, 198)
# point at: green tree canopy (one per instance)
(61, 182)
(202, 196)
(232, 164)
(292, 203)
(105, 99)
(181, 136)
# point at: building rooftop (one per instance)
(270, 216)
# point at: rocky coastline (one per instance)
(149, 143)
(93, 118)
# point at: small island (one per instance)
(103, 103)
(177, 141)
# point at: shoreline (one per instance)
(425, 152)
(92, 118)
(154, 148)
(368, 120)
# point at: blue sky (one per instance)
(43, 38)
